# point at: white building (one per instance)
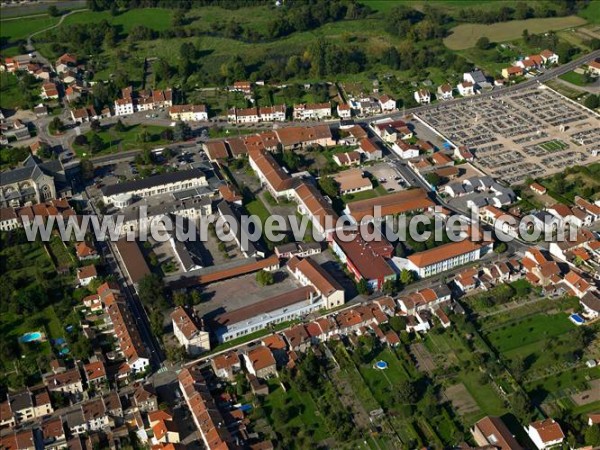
(312, 111)
(549, 57)
(446, 257)
(124, 106)
(387, 103)
(444, 92)
(422, 96)
(344, 111)
(466, 88)
(188, 333)
(272, 113)
(123, 193)
(545, 433)
(188, 113)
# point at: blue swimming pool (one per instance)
(31, 337)
(577, 319)
(381, 365)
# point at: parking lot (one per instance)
(530, 133)
(387, 176)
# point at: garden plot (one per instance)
(462, 401)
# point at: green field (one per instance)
(466, 35)
(575, 78)
(592, 12)
(129, 139)
(158, 19)
(303, 408)
(528, 331)
(13, 32)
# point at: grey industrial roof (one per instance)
(156, 180)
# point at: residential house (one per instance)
(49, 91)
(95, 373)
(422, 96)
(405, 150)
(347, 159)
(387, 103)
(538, 188)
(226, 365)
(53, 434)
(260, 362)
(466, 88)
(297, 338)
(85, 251)
(444, 92)
(493, 432)
(144, 397)
(344, 111)
(67, 382)
(189, 331)
(549, 57)
(545, 433)
(86, 274)
(370, 149)
(513, 71)
(188, 113)
(316, 111)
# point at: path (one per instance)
(30, 47)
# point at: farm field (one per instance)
(465, 36)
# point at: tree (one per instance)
(96, 144)
(87, 169)
(406, 392)
(517, 367)
(264, 278)
(81, 140)
(400, 252)
(329, 186)
(182, 131)
(592, 435)
(291, 160)
(120, 127)
(397, 323)
(56, 126)
(521, 407)
(483, 43)
(407, 276)
(592, 101)
(53, 11)
(95, 125)
(389, 287)
(362, 287)
(501, 247)
(151, 291)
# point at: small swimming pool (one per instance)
(577, 319)
(31, 337)
(381, 365)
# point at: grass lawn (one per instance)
(592, 12)
(528, 331)
(380, 382)
(556, 385)
(60, 252)
(12, 32)
(158, 19)
(258, 208)
(304, 414)
(574, 78)
(466, 35)
(12, 94)
(115, 141)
